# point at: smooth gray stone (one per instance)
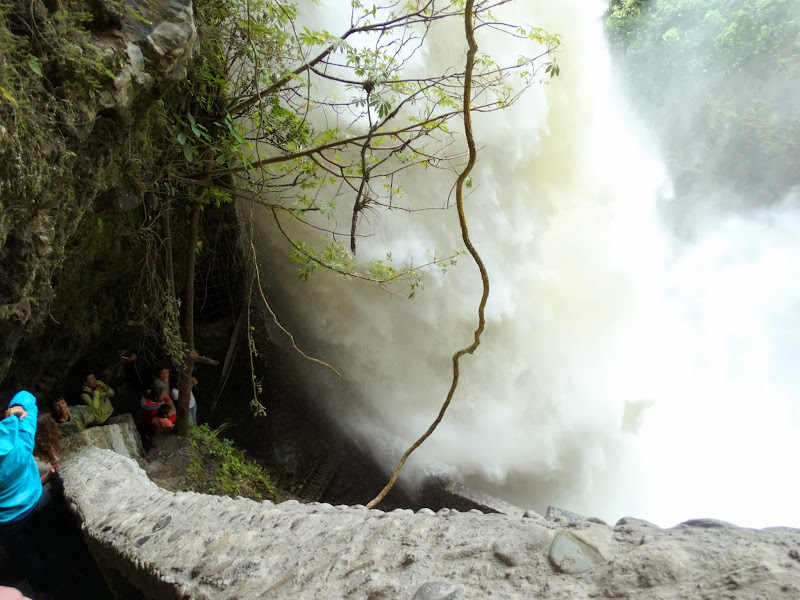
(571, 555)
(634, 522)
(706, 523)
(438, 590)
(556, 514)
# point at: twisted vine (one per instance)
(462, 220)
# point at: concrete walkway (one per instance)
(187, 545)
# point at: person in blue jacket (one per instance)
(23, 502)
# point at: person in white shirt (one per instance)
(192, 401)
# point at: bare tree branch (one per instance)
(269, 308)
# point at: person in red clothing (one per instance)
(152, 400)
(163, 422)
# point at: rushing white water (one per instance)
(619, 373)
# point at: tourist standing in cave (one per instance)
(161, 380)
(24, 504)
(192, 401)
(71, 419)
(162, 388)
(97, 394)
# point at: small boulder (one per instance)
(571, 555)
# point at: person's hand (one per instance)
(9, 593)
(126, 356)
(194, 381)
(49, 475)
(16, 410)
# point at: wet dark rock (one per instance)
(147, 47)
(706, 523)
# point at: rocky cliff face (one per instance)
(185, 545)
(75, 78)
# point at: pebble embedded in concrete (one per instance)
(571, 555)
(438, 590)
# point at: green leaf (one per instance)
(182, 137)
(188, 153)
(34, 65)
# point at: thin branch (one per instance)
(269, 308)
(381, 282)
(425, 15)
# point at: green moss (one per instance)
(217, 467)
(94, 270)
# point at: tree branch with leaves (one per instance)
(318, 127)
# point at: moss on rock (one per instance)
(79, 143)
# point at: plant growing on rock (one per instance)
(55, 161)
(689, 62)
(217, 467)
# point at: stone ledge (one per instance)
(119, 435)
(187, 545)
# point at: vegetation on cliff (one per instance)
(711, 74)
(61, 168)
(217, 467)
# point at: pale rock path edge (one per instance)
(186, 545)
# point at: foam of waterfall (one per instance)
(620, 373)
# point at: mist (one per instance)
(627, 368)
(714, 94)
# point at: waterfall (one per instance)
(619, 373)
